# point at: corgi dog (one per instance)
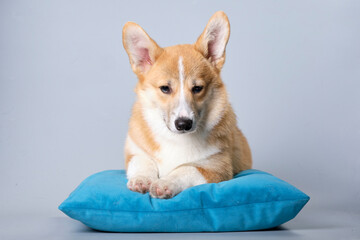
(183, 130)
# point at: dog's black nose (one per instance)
(183, 124)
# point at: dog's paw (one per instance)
(140, 184)
(161, 188)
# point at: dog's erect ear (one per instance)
(213, 40)
(142, 50)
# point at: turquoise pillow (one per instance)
(252, 200)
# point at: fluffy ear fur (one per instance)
(142, 50)
(213, 40)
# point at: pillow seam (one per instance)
(96, 209)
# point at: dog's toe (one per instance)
(139, 184)
(163, 189)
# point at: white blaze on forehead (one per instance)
(181, 73)
(183, 110)
(181, 78)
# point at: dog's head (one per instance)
(181, 83)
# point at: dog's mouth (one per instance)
(184, 131)
(181, 132)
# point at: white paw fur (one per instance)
(162, 188)
(140, 184)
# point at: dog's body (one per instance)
(182, 130)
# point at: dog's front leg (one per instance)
(142, 171)
(215, 169)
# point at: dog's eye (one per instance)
(197, 89)
(165, 89)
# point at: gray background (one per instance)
(66, 90)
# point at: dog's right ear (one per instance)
(142, 50)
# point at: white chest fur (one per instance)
(176, 149)
(180, 150)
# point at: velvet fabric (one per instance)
(253, 200)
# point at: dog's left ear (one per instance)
(212, 42)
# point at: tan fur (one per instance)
(217, 121)
(141, 134)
